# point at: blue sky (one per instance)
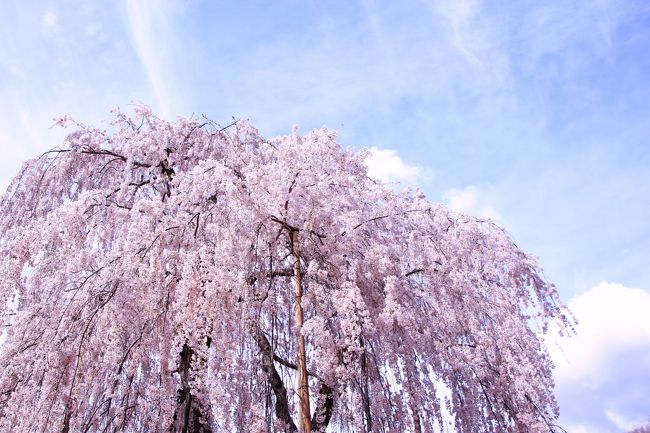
(535, 114)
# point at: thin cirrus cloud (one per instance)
(20, 140)
(159, 47)
(463, 37)
(142, 19)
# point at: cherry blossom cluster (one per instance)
(147, 275)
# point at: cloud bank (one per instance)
(603, 372)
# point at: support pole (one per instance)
(304, 414)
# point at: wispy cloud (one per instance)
(51, 67)
(156, 42)
(22, 137)
(605, 22)
(459, 14)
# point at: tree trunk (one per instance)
(304, 415)
(190, 416)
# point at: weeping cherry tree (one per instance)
(187, 277)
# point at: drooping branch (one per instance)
(281, 399)
(291, 365)
(414, 271)
(284, 362)
(251, 279)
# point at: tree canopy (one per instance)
(186, 277)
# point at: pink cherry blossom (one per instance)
(165, 277)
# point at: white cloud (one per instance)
(603, 372)
(470, 201)
(611, 318)
(387, 166)
(50, 21)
